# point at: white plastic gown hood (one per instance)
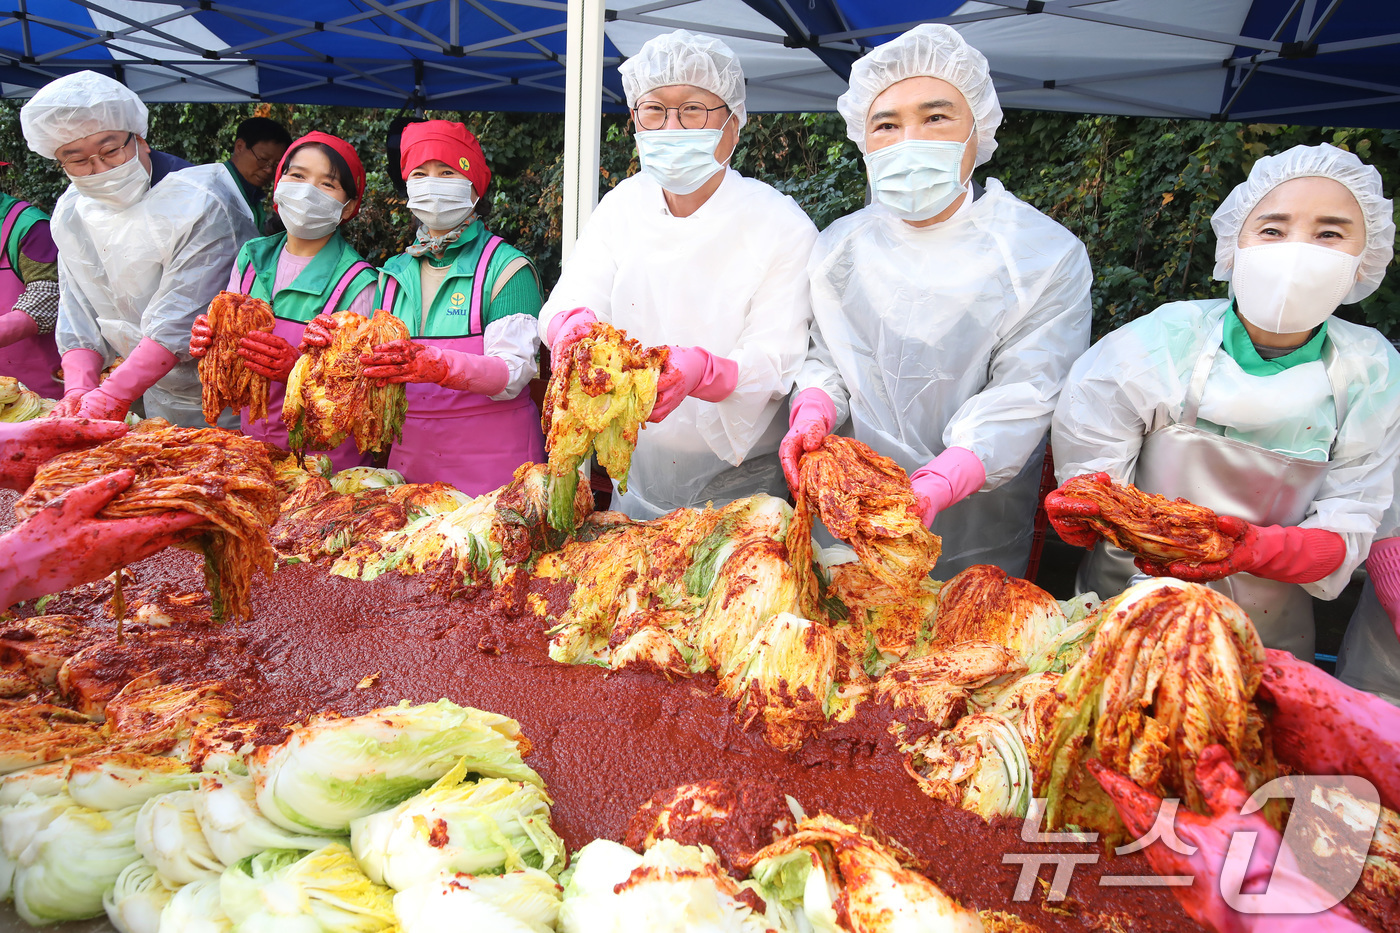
(729, 278)
(959, 334)
(1135, 380)
(146, 272)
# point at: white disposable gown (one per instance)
(959, 334)
(1369, 658)
(1135, 381)
(729, 278)
(146, 272)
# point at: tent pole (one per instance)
(583, 115)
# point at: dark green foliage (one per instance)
(1138, 191)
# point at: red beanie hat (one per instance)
(341, 148)
(449, 143)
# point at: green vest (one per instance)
(259, 215)
(308, 293)
(449, 315)
(27, 218)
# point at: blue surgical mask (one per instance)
(918, 178)
(681, 161)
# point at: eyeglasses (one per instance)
(693, 115)
(264, 161)
(110, 157)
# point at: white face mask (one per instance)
(1289, 288)
(441, 203)
(306, 211)
(681, 161)
(119, 187)
(918, 178)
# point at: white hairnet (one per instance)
(932, 50)
(79, 105)
(1323, 161)
(683, 57)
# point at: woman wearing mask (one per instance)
(1261, 406)
(471, 303)
(308, 270)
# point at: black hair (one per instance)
(256, 130)
(339, 167)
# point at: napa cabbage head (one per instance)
(136, 901)
(358, 479)
(169, 837)
(40, 780)
(227, 810)
(334, 770)
(477, 827)
(125, 779)
(196, 908)
(525, 901)
(294, 891)
(671, 889)
(71, 863)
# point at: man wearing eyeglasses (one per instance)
(692, 255)
(139, 256)
(258, 145)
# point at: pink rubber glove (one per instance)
(24, 447)
(565, 329)
(1272, 866)
(64, 543)
(693, 371)
(812, 418)
(1274, 552)
(406, 361)
(146, 366)
(81, 370)
(267, 355)
(318, 332)
(1067, 514)
(950, 477)
(201, 336)
(1322, 726)
(1384, 567)
(15, 326)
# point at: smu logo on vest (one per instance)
(457, 304)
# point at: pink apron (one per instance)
(33, 360)
(464, 438)
(271, 429)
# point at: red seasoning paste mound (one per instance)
(604, 741)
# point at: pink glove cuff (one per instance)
(470, 372)
(813, 405)
(707, 377)
(1295, 555)
(81, 369)
(949, 477)
(146, 366)
(1384, 567)
(15, 326)
(570, 321)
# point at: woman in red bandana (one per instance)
(308, 270)
(471, 303)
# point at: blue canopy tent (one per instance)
(1305, 61)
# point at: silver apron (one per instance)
(1230, 477)
(1369, 658)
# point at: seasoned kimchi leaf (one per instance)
(328, 399)
(221, 476)
(865, 500)
(1151, 526)
(226, 381)
(599, 397)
